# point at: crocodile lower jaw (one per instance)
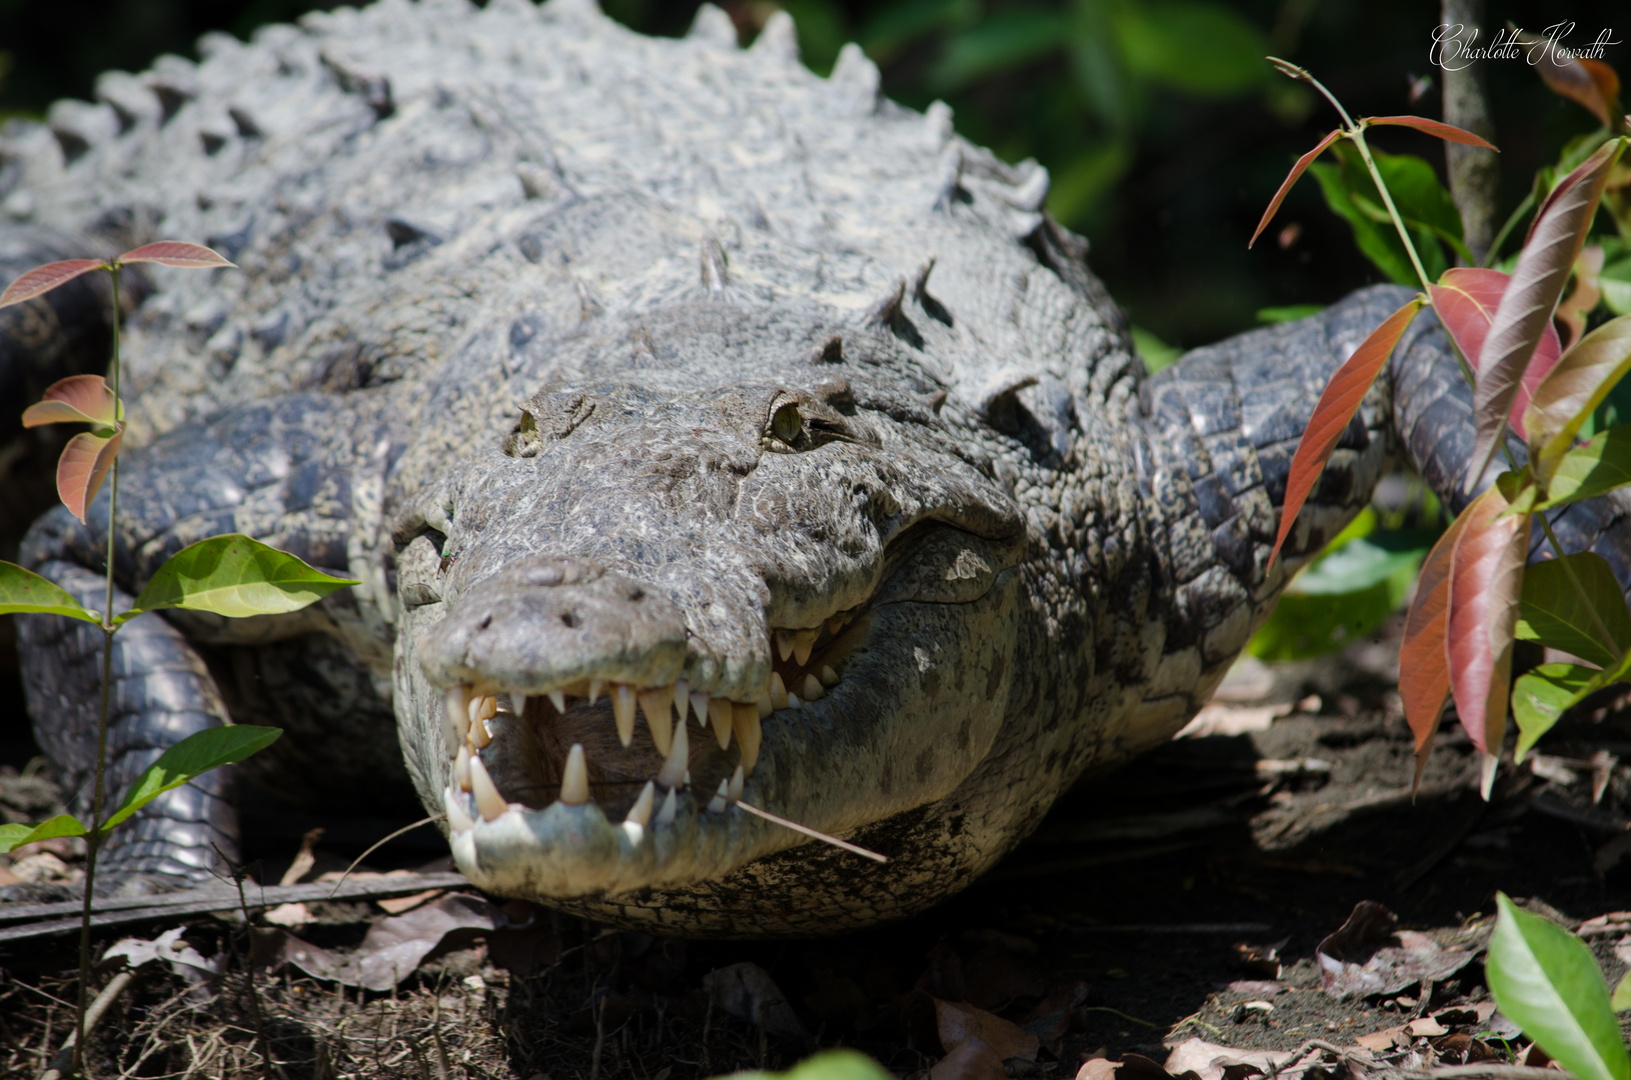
(567, 792)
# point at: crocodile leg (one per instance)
(246, 472)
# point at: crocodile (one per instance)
(703, 433)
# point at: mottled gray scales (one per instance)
(701, 430)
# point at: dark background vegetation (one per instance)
(1164, 130)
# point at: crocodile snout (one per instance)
(545, 621)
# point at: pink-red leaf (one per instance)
(1525, 311)
(1465, 300)
(1337, 405)
(42, 279)
(1579, 383)
(78, 399)
(176, 253)
(83, 466)
(1591, 84)
(1486, 582)
(1424, 672)
(1436, 128)
(1291, 178)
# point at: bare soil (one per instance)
(1183, 897)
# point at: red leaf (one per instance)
(1337, 405)
(42, 279)
(1525, 311)
(1424, 673)
(1589, 83)
(78, 399)
(83, 466)
(175, 253)
(1486, 580)
(1465, 300)
(1291, 178)
(1448, 132)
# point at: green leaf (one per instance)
(1546, 980)
(13, 837)
(1621, 1001)
(1155, 353)
(235, 576)
(1615, 281)
(1191, 45)
(26, 592)
(827, 1065)
(1552, 611)
(1289, 313)
(193, 756)
(1591, 469)
(1542, 695)
(1008, 38)
(1426, 207)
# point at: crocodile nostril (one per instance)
(569, 619)
(486, 621)
(637, 595)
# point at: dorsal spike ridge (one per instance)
(855, 72)
(712, 26)
(715, 270)
(885, 312)
(779, 40)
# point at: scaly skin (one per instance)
(609, 362)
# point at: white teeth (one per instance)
(734, 793)
(594, 691)
(458, 714)
(778, 692)
(829, 677)
(699, 705)
(640, 812)
(461, 768)
(748, 732)
(763, 704)
(835, 624)
(672, 774)
(784, 643)
(457, 819)
(716, 805)
(793, 701)
(665, 816)
(654, 703)
(483, 707)
(488, 800)
(719, 711)
(812, 689)
(623, 711)
(557, 698)
(803, 642)
(682, 699)
(575, 784)
(480, 733)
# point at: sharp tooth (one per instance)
(829, 677)
(763, 704)
(813, 690)
(835, 624)
(488, 800)
(505, 703)
(654, 703)
(793, 701)
(640, 812)
(482, 707)
(458, 714)
(623, 711)
(748, 732)
(594, 691)
(682, 699)
(672, 774)
(557, 698)
(480, 734)
(803, 642)
(457, 819)
(734, 794)
(784, 643)
(665, 816)
(778, 691)
(719, 711)
(461, 768)
(716, 805)
(575, 783)
(699, 705)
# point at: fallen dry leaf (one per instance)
(959, 1022)
(1208, 1061)
(393, 948)
(1051, 1018)
(293, 916)
(1367, 955)
(168, 947)
(747, 992)
(1216, 719)
(972, 1060)
(1097, 1069)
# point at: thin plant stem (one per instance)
(1511, 223)
(93, 839)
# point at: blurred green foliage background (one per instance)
(1164, 129)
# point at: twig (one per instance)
(249, 975)
(65, 1055)
(381, 843)
(813, 834)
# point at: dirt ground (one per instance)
(1182, 898)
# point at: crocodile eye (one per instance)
(787, 423)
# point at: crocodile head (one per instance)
(652, 599)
